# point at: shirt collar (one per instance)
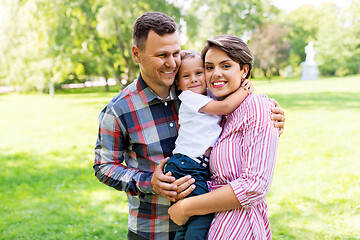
(148, 95)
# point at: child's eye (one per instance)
(185, 76)
(199, 73)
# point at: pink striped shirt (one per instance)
(244, 157)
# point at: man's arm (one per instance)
(108, 164)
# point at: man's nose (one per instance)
(170, 62)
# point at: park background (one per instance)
(55, 54)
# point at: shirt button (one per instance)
(165, 104)
(171, 124)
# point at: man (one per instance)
(139, 126)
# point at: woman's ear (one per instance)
(245, 71)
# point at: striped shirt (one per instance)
(137, 129)
(244, 157)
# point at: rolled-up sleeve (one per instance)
(260, 145)
(109, 167)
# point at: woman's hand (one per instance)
(177, 213)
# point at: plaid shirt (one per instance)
(139, 128)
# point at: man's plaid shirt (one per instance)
(136, 130)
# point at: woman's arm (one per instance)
(230, 103)
(222, 199)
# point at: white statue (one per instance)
(310, 52)
(309, 70)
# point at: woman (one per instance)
(242, 161)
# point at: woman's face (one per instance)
(223, 75)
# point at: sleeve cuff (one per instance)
(144, 183)
(240, 193)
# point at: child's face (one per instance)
(191, 75)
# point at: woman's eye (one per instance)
(208, 68)
(226, 66)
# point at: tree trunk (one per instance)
(106, 84)
(51, 88)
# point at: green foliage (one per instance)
(45, 43)
(49, 191)
(270, 47)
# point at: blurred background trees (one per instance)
(44, 43)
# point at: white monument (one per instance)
(309, 69)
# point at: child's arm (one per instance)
(230, 103)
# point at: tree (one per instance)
(271, 48)
(227, 17)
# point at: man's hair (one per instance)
(234, 47)
(159, 22)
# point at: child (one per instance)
(199, 130)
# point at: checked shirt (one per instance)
(137, 129)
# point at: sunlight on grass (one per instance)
(49, 191)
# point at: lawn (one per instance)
(48, 189)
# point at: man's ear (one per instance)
(136, 53)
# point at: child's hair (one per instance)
(187, 54)
(234, 47)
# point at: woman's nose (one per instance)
(217, 72)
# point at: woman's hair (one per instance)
(234, 47)
(159, 22)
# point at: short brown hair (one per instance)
(234, 47)
(159, 22)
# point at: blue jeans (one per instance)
(180, 165)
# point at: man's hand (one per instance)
(278, 116)
(167, 186)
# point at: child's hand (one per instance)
(248, 85)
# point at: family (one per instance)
(188, 141)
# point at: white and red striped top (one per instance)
(244, 157)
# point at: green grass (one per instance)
(48, 189)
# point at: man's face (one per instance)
(159, 61)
